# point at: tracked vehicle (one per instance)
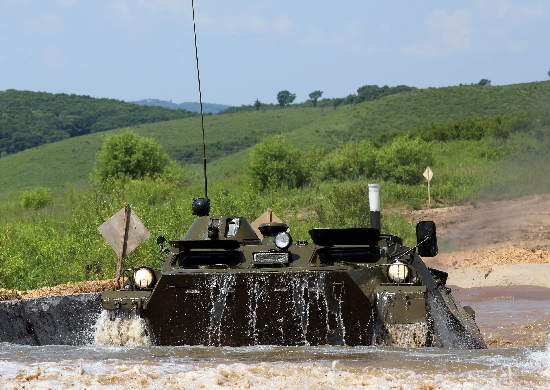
(223, 285)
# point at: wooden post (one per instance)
(122, 253)
(429, 195)
(428, 174)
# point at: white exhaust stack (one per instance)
(374, 202)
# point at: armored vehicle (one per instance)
(222, 285)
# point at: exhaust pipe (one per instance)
(374, 202)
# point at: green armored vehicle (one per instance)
(222, 285)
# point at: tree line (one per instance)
(29, 119)
(286, 98)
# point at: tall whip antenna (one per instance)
(200, 101)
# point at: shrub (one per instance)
(404, 160)
(36, 199)
(127, 154)
(274, 162)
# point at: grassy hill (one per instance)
(29, 119)
(409, 110)
(228, 136)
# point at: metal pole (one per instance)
(374, 203)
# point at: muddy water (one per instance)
(514, 321)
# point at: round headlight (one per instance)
(398, 272)
(144, 277)
(283, 240)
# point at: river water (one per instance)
(512, 323)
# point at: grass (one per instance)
(55, 244)
(229, 136)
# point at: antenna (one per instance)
(200, 101)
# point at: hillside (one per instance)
(228, 136)
(71, 160)
(211, 108)
(29, 119)
(409, 110)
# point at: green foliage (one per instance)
(29, 119)
(129, 155)
(36, 199)
(285, 98)
(418, 108)
(275, 162)
(484, 82)
(350, 161)
(404, 160)
(314, 96)
(257, 104)
(337, 102)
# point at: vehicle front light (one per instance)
(283, 240)
(144, 277)
(398, 272)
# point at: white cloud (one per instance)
(350, 39)
(43, 24)
(447, 34)
(420, 49)
(66, 3)
(313, 37)
(164, 5)
(493, 8)
(352, 31)
(534, 10)
(53, 57)
(282, 24)
(120, 13)
(517, 47)
(454, 30)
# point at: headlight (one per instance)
(144, 277)
(283, 240)
(398, 272)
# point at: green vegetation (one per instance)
(36, 199)
(129, 155)
(29, 119)
(285, 98)
(490, 157)
(211, 108)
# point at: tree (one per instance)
(314, 96)
(285, 98)
(257, 104)
(336, 102)
(274, 162)
(484, 82)
(368, 92)
(549, 73)
(129, 155)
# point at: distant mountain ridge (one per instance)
(188, 106)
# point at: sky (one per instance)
(252, 49)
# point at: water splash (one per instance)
(113, 329)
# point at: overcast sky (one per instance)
(252, 49)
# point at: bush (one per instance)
(36, 199)
(405, 160)
(274, 162)
(127, 154)
(351, 161)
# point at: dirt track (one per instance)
(492, 234)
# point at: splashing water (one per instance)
(111, 329)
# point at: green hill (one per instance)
(229, 135)
(29, 119)
(211, 108)
(409, 110)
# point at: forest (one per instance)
(29, 119)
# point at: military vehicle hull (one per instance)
(222, 285)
